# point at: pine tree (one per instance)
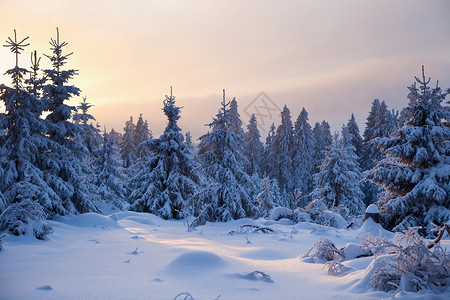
(141, 134)
(416, 169)
(380, 123)
(328, 138)
(117, 136)
(127, 144)
(168, 178)
(234, 120)
(337, 183)
(229, 194)
(269, 162)
(21, 142)
(283, 145)
(303, 142)
(189, 143)
(319, 146)
(35, 82)
(64, 170)
(355, 137)
(254, 149)
(89, 137)
(266, 197)
(109, 180)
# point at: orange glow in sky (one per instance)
(331, 57)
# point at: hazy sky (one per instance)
(331, 57)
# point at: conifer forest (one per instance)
(229, 214)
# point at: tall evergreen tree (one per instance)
(21, 142)
(303, 142)
(189, 143)
(380, 123)
(416, 169)
(234, 120)
(127, 144)
(109, 180)
(254, 149)
(64, 170)
(141, 134)
(337, 183)
(319, 146)
(269, 162)
(284, 151)
(355, 137)
(229, 194)
(89, 137)
(169, 179)
(328, 138)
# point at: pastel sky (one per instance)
(331, 57)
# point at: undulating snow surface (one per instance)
(131, 255)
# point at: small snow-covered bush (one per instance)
(335, 268)
(279, 212)
(409, 264)
(24, 216)
(325, 249)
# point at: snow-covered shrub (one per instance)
(410, 264)
(325, 249)
(335, 268)
(278, 213)
(24, 216)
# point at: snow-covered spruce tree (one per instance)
(90, 136)
(141, 134)
(337, 183)
(63, 168)
(303, 141)
(168, 178)
(25, 197)
(109, 179)
(117, 136)
(266, 197)
(380, 123)
(234, 120)
(254, 149)
(268, 163)
(189, 143)
(355, 137)
(283, 145)
(229, 194)
(35, 82)
(415, 172)
(127, 144)
(322, 140)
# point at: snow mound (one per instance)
(88, 220)
(370, 226)
(195, 262)
(372, 209)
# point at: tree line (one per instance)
(61, 164)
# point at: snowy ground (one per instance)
(139, 256)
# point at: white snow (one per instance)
(372, 209)
(132, 255)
